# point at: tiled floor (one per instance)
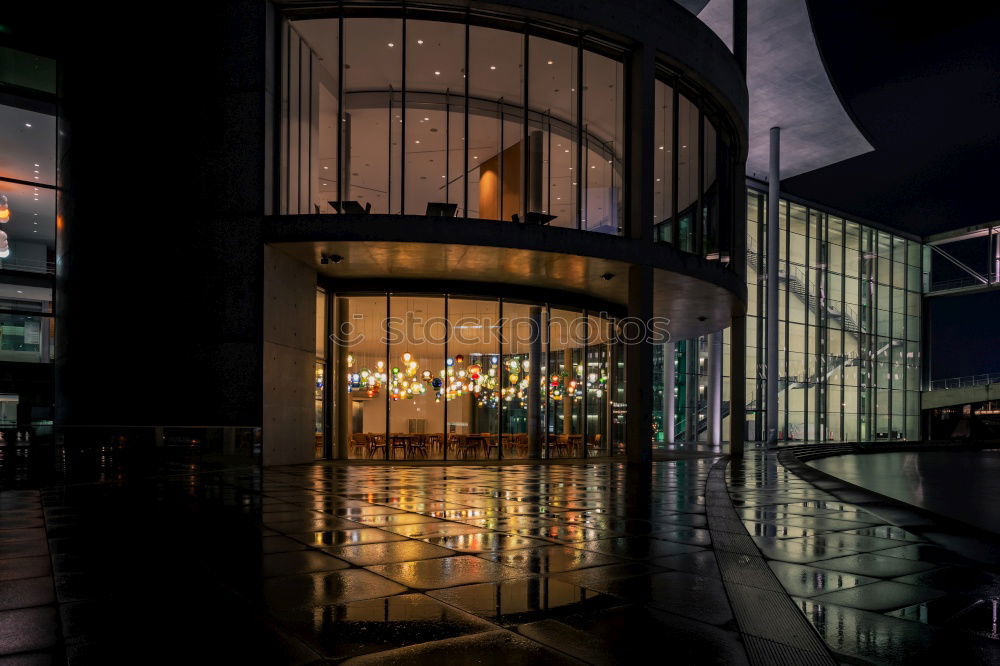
(513, 564)
(562, 563)
(873, 589)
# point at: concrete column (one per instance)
(715, 388)
(771, 314)
(534, 384)
(341, 396)
(669, 379)
(737, 385)
(691, 394)
(639, 370)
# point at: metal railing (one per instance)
(965, 382)
(958, 283)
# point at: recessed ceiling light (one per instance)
(436, 73)
(420, 41)
(417, 141)
(326, 167)
(27, 124)
(19, 291)
(550, 62)
(36, 165)
(391, 45)
(491, 67)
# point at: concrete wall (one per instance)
(289, 359)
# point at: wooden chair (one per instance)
(360, 444)
(418, 444)
(375, 442)
(397, 442)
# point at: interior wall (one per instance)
(289, 359)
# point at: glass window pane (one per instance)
(435, 82)
(373, 115)
(603, 138)
(495, 123)
(367, 376)
(687, 170)
(663, 165)
(416, 358)
(552, 155)
(473, 393)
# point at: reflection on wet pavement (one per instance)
(865, 573)
(507, 564)
(512, 564)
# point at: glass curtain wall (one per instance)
(28, 158)
(690, 161)
(436, 377)
(446, 119)
(849, 327)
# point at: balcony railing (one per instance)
(965, 382)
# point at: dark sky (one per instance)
(922, 82)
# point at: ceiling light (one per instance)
(550, 62)
(391, 45)
(36, 165)
(420, 41)
(661, 147)
(437, 73)
(491, 67)
(326, 167)
(27, 124)
(19, 291)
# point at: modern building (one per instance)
(384, 331)
(511, 185)
(603, 167)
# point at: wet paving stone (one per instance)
(805, 581)
(796, 550)
(630, 634)
(959, 579)
(347, 537)
(552, 559)
(445, 572)
(890, 640)
(957, 611)
(373, 625)
(486, 542)
(881, 596)
(523, 600)
(299, 562)
(497, 647)
(877, 565)
(640, 548)
(321, 589)
(702, 563)
(382, 553)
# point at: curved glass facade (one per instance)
(450, 119)
(456, 119)
(691, 173)
(456, 377)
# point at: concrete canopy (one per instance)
(789, 88)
